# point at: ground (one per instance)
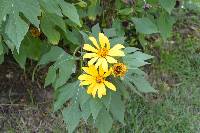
(25, 106)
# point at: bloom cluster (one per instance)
(102, 63)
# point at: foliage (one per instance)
(68, 25)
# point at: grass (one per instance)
(177, 77)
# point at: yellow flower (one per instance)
(102, 54)
(119, 69)
(96, 80)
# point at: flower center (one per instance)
(103, 52)
(119, 69)
(99, 79)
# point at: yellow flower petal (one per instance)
(101, 90)
(92, 61)
(85, 77)
(116, 53)
(110, 85)
(117, 47)
(111, 59)
(88, 47)
(101, 71)
(89, 55)
(91, 70)
(90, 89)
(95, 88)
(104, 65)
(94, 41)
(108, 73)
(88, 82)
(103, 40)
(99, 62)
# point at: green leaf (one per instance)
(16, 28)
(20, 57)
(125, 11)
(72, 116)
(52, 55)
(96, 30)
(51, 76)
(168, 5)
(59, 7)
(129, 50)
(104, 121)
(85, 111)
(110, 32)
(117, 25)
(65, 93)
(1, 48)
(117, 107)
(1, 58)
(70, 11)
(135, 58)
(165, 23)
(95, 107)
(49, 25)
(145, 25)
(64, 65)
(51, 6)
(142, 84)
(34, 47)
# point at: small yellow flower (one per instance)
(119, 69)
(96, 80)
(102, 54)
(35, 32)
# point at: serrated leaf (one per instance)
(59, 7)
(65, 66)
(95, 107)
(142, 84)
(145, 25)
(85, 111)
(65, 93)
(51, 76)
(96, 30)
(20, 58)
(117, 40)
(117, 107)
(110, 32)
(49, 23)
(104, 121)
(51, 6)
(72, 116)
(168, 5)
(84, 97)
(16, 28)
(165, 23)
(52, 55)
(70, 11)
(135, 58)
(129, 50)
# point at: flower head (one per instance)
(96, 80)
(119, 69)
(35, 32)
(102, 54)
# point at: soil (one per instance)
(24, 105)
